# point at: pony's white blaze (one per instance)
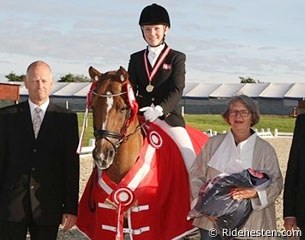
(109, 104)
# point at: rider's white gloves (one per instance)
(152, 113)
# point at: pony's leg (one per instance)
(126, 237)
(183, 141)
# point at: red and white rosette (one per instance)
(122, 197)
(155, 139)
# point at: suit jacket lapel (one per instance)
(26, 123)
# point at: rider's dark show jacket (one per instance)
(39, 178)
(168, 82)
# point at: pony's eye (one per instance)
(124, 108)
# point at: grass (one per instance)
(216, 122)
(88, 131)
(209, 121)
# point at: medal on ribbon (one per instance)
(150, 87)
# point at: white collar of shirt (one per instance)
(230, 158)
(43, 107)
(153, 53)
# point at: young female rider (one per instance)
(157, 74)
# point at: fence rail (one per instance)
(262, 133)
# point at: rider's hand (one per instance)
(152, 113)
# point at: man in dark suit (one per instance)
(39, 166)
(294, 190)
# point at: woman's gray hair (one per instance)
(249, 103)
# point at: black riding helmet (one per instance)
(154, 14)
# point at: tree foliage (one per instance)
(12, 77)
(248, 80)
(74, 78)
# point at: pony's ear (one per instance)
(94, 73)
(132, 102)
(123, 74)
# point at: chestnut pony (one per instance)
(139, 186)
(116, 127)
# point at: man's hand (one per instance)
(152, 113)
(68, 221)
(290, 223)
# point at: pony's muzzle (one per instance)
(103, 161)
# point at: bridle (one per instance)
(121, 136)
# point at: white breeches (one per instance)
(182, 139)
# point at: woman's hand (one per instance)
(243, 193)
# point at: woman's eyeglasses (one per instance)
(242, 113)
